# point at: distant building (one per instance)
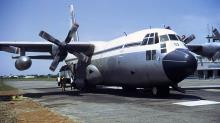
(29, 77)
(13, 77)
(207, 69)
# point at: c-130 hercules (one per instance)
(151, 58)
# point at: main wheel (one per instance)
(155, 91)
(161, 91)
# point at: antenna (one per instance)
(213, 37)
(208, 29)
(208, 36)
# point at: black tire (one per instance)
(161, 91)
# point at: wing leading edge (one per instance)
(16, 47)
(26, 46)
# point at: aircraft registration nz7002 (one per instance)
(154, 58)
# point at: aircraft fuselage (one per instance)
(146, 58)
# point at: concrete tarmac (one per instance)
(110, 105)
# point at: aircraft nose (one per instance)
(179, 64)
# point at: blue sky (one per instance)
(22, 20)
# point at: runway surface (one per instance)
(200, 103)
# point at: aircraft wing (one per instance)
(82, 50)
(196, 48)
(209, 50)
(16, 47)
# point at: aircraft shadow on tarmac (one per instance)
(139, 93)
(60, 93)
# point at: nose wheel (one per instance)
(160, 91)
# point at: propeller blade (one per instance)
(81, 56)
(216, 33)
(72, 14)
(189, 39)
(73, 21)
(49, 38)
(71, 32)
(55, 63)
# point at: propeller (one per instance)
(216, 33)
(189, 39)
(73, 21)
(72, 32)
(63, 47)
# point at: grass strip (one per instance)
(5, 87)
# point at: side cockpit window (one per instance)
(156, 38)
(152, 35)
(150, 41)
(144, 42)
(151, 38)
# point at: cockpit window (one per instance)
(163, 38)
(152, 35)
(173, 37)
(150, 38)
(150, 41)
(144, 42)
(147, 35)
(156, 38)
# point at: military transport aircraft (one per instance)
(210, 50)
(150, 58)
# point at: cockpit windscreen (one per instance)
(173, 37)
(168, 37)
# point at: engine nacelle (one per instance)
(93, 75)
(23, 63)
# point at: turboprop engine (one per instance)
(23, 63)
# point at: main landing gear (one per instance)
(160, 90)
